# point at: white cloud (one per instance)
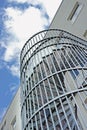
(15, 69)
(19, 1)
(12, 51)
(22, 24)
(13, 89)
(50, 6)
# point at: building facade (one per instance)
(71, 16)
(12, 118)
(53, 75)
(54, 82)
(54, 72)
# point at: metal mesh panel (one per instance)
(54, 82)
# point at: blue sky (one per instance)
(19, 20)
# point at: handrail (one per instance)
(50, 30)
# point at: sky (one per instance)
(19, 20)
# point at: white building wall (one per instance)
(61, 21)
(78, 28)
(12, 118)
(80, 97)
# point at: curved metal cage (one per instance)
(54, 82)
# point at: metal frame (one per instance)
(52, 91)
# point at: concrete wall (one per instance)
(12, 118)
(61, 20)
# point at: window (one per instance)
(84, 84)
(75, 12)
(74, 73)
(85, 34)
(3, 125)
(13, 123)
(85, 103)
